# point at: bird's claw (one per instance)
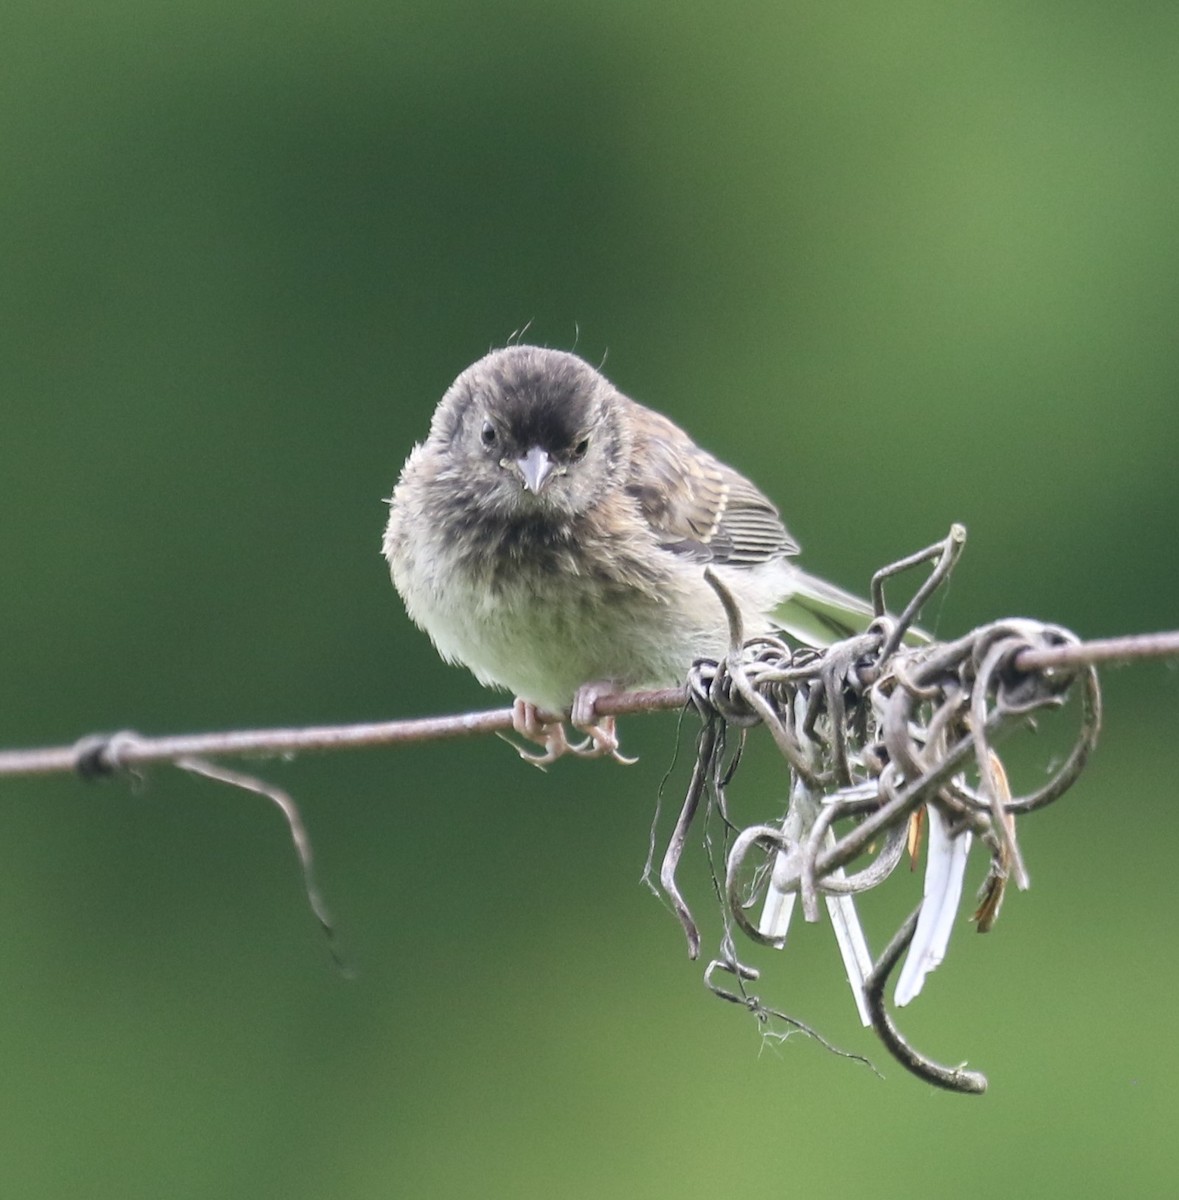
(550, 735)
(601, 742)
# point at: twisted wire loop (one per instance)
(879, 733)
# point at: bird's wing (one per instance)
(697, 506)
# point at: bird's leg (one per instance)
(602, 739)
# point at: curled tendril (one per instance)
(872, 730)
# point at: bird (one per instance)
(552, 535)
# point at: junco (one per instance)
(551, 534)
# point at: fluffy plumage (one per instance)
(551, 533)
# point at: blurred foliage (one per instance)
(905, 264)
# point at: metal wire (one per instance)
(872, 730)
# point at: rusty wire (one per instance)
(873, 730)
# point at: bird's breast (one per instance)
(541, 608)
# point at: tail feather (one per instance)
(818, 613)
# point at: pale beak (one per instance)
(535, 468)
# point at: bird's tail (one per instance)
(819, 613)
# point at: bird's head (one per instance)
(530, 431)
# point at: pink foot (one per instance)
(601, 740)
(550, 735)
(602, 737)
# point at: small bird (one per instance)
(552, 535)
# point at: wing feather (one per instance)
(697, 506)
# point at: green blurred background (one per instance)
(904, 263)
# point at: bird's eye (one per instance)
(581, 447)
(488, 434)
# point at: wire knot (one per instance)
(101, 755)
(883, 734)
